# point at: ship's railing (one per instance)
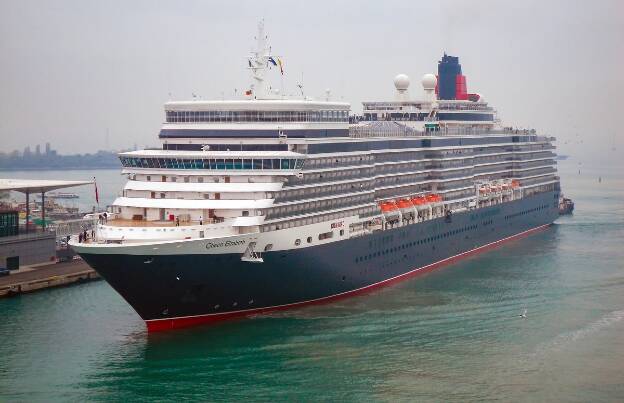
(121, 222)
(383, 129)
(395, 129)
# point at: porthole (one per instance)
(309, 239)
(297, 242)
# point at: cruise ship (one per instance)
(270, 202)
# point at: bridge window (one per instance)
(256, 116)
(213, 163)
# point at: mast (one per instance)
(259, 63)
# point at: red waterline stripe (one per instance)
(157, 325)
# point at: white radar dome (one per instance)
(429, 81)
(401, 82)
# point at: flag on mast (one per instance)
(97, 196)
(281, 65)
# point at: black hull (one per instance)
(175, 291)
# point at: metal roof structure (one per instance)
(38, 185)
(28, 186)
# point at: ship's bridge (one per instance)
(259, 118)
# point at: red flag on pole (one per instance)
(97, 197)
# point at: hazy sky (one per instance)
(73, 70)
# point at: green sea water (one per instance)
(452, 335)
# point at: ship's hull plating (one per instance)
(181, 290)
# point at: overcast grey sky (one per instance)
(71, 70)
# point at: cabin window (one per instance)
(309, 239)
(325, 235)
(297, 242)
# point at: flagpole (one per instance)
(97, 196)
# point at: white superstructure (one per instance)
(271, 168)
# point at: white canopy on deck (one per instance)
(38, 185)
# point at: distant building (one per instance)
(47, 148)
(38, 150)
(27, 151)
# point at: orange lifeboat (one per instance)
(433, 198)
(387, 207)
(404, 203)
(419, 200)
(515, 184)
(484, 190)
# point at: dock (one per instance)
(45, 277)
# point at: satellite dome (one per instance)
(429, 81)
(401, 82)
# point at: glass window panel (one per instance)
(285, 164)
(266, 164)
(238, 164)
(276, 164)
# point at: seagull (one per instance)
(523, 316)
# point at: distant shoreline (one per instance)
(59, 168)
(51, 160)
